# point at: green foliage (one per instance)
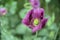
(11, 27)
(11, 7)
(47, 1)
(7, 35)
(23, 12)
(51, 20)
(21, 29)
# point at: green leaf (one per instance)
(43, 32)
(53, 17)
(28, 31)
(44, 38)
(52, 34)
(37, 38)
(13, 20)
(1, 6)
(47, 1)
(11, 7)
(51, 20)
(52, 31)
(4, 22)
(27, 38)
(21, 29)
(23, 13)
(53, 27)
(7, 35)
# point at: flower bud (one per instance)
(3, 11)
(35, 3)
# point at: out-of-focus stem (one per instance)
(46, 8)
(56, 34)
(36, 34)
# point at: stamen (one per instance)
(36, 21)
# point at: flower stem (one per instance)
(56, 34)
(36, 34)
(46, 8)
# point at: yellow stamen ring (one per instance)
(36, 22)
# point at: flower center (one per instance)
(36, 21)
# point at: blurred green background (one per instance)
(11, 27)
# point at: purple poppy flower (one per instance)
(3, 11)
(34, 19)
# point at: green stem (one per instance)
(46, 8)
(36, 34)
(56, 34)
(0, 24)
